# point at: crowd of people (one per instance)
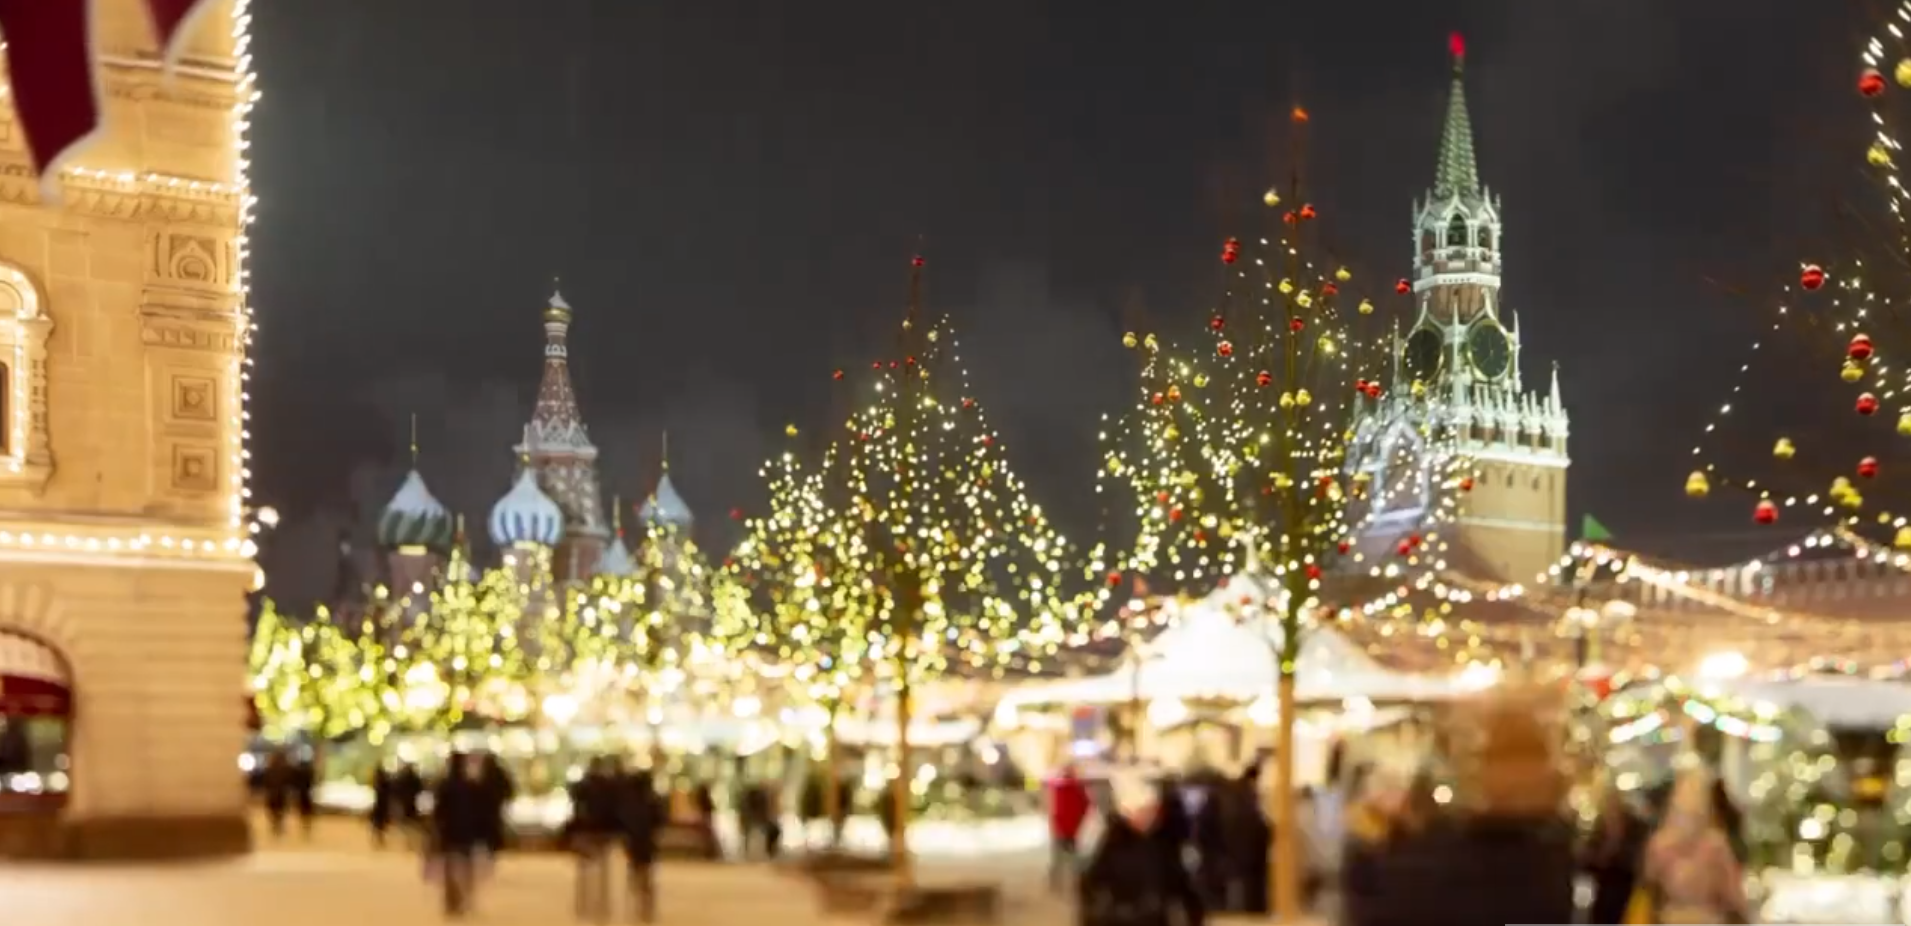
(1478, 831)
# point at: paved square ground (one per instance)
(337, 880)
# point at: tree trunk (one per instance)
(832, 795)
(1285, 878)
(899, 789)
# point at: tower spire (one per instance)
(414, 440)
(1458, 173)
(665, 451)
(617, 515)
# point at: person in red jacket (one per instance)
(1067, 809)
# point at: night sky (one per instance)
(730, 192)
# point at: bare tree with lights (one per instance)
(1259, 452)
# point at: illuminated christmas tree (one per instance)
(912, 548)
(1273, 443)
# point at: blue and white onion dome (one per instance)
(665, 506)
(616, 560)
(414, 518)
(526, 515)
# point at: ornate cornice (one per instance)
(130, 197)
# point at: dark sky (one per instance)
(729, 191)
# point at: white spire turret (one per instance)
(665, 506)
(526, 515)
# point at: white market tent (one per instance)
(1833, 700)
(1209, 654)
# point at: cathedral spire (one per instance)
(556, 422)
(1458, 173)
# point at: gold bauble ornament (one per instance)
(934, 335)
(1172, 433)
(1851, 372)
(1303, 397)
(1903, 540)
(1114, 466)
(1418, 390)
(1271, 198)
(1152, 343)
(1783, 449)
(790, 430)
(1304, 300)
(1327, 345)
(1366, 307)
(1697, 486)
(1877, 156)
(1200, 380)
(1287, 400)
(1343, 274)
(1287, 286)
(1174, 393)
(1902, 73)
(1904, 424)
(1129, 340)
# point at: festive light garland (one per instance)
(914, 488)
(1856, 313)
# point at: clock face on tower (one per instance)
(1488, 349)
(1424, 354)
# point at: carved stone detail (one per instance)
(191, 260)
(153, 198)
(195, 398)
(211, 332)
(195, 468)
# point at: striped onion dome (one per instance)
(616, 560)
(414, 517)
(526, 515)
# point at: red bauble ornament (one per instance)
(1231, 251)
(1307, 211)
(1263, 379)
(1870, 83)
(736, 514)
(1860, 348)
(1114, 579)
(1225, 349)
(1158, 398)
(1175, 515)
(893, 364)
(1373, 390)
(1402, 286)
(1217, 323)
(1296, 323)
(1466, 484)
(1328, 288)
(836, 375)
(1313, 571)
(917, 261)
(1405, 548)
(1414, 539)
(1161, 498)
(1360, 385)
(1868, 467)
(875, 364)
(1867, 404)
(988, 440)
(1765, 512)
(1344, 546)
(968, 402)
(1288, 217)
(863, 436)
(1811, 277)
(1200, 536)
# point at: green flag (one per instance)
(1591, 529)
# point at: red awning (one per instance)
(33, 679)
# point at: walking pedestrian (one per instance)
(461, 829)
(592, 827)
(641, 814)
(1067, 809)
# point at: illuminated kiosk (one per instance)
(124, 527)
(1814, 763)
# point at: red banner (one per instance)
(23, 696)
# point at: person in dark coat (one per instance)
(1249, 836)
(845, 799)
(593, 827)
(278, 787)
(1612, 856)
(407, 787)
(1136, 877)
(499, 790)
(641, 814)
(1214, 872)
(304, 786)
(461, 815)
(384, 796)
(1503, 852)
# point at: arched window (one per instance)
(1457, 233)
(1486, 239)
